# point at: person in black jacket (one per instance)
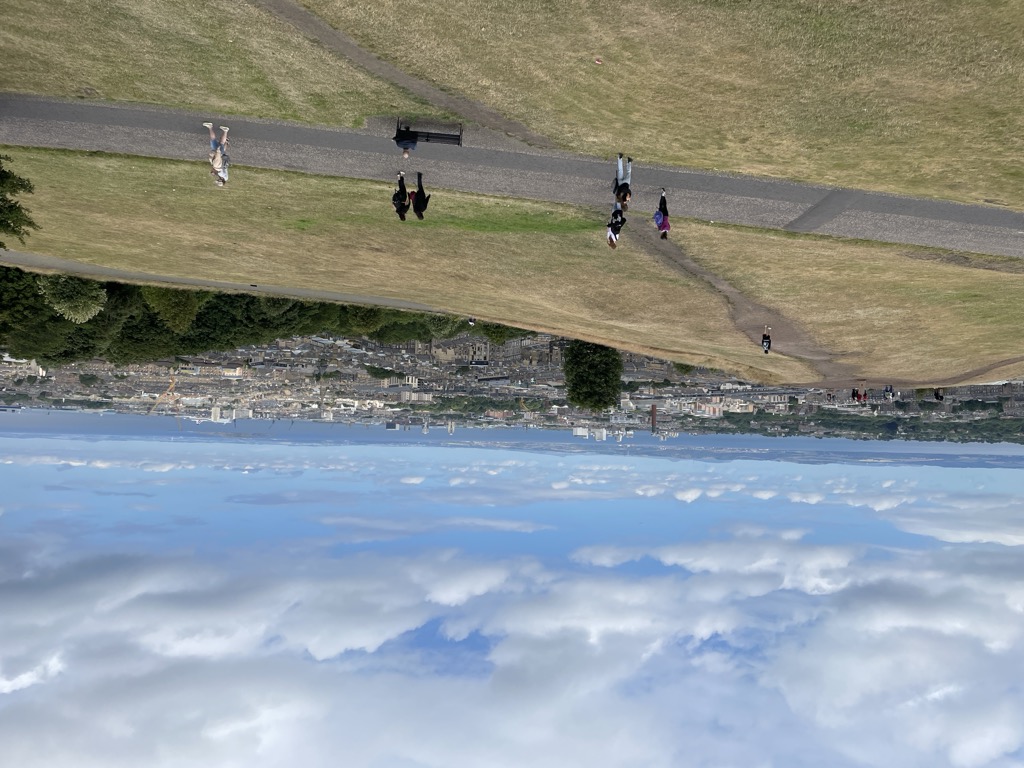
(420, 199)
(620, 187)
(406, 139)
(400, 199)
(615, 225)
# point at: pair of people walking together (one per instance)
(623, 194)
(403, 199)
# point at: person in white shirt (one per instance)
(219, 159)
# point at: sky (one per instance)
(350, 597)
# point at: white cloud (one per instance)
(806, 498)
(412, 480)
(39, 674)
(408, 526)
(998, 524)
(649, 490)
(746, 650)
(753, 645)
(811, 569)
(689, 495)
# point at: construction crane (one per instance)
(166, 394)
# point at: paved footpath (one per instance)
(506, 168)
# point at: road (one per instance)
(496, 164)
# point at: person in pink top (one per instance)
(661, 216)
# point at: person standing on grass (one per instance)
(661, 216)
(615, 225)
(219, 159)
(400, 199)
(766, 339)
(420, 199)
(620, 187)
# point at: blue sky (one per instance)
(179, 598)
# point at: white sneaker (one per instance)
(207, 125)
(225, 128)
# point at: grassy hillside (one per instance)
(896, 312)
(893, 312)
(227, 58)
(917, 97)
(545, 265)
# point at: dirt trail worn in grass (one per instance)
(749, 316)
(341, 44)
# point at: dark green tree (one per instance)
(593, 375)
(144, 324)
(177, 308)
(72, 297)
(498, 334)
(14, 218)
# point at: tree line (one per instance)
(59, 319)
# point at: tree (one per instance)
(72, 297)
(42, 318)
(176, 308)
(499, 334)
(14, 218)
(593, 375)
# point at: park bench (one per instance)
(407, 134)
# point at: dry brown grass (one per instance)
(917, 97)
(226, 57)
(529, 264)
(891, 311)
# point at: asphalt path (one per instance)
(490, 162)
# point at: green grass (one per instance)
(226, 58)
(892, 312)
(919, 97)
(534, 265)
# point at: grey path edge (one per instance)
(553, 176)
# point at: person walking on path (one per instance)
(420, 199)
(766, 339)
(661, 216)
(615, 225)
(219, 159)
(621, 184)
(400, 199)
